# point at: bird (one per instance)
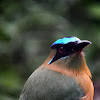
(64, 75)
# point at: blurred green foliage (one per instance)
(29, 27)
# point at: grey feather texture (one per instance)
(45, 84)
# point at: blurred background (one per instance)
(29, 27)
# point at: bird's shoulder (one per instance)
(50, 85)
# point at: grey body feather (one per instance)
(45, 84)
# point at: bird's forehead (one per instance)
(66, 40)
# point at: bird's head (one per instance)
(67, 46)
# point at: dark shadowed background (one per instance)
(29, 27)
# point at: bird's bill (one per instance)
(84, 43)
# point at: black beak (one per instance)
(82, 44)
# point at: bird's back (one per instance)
(45, 84)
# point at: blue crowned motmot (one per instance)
(64, 75)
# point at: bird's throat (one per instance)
(76, 61)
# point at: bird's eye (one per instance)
(61, 49)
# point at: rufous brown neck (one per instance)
(75, 62)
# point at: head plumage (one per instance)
(66, 40)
